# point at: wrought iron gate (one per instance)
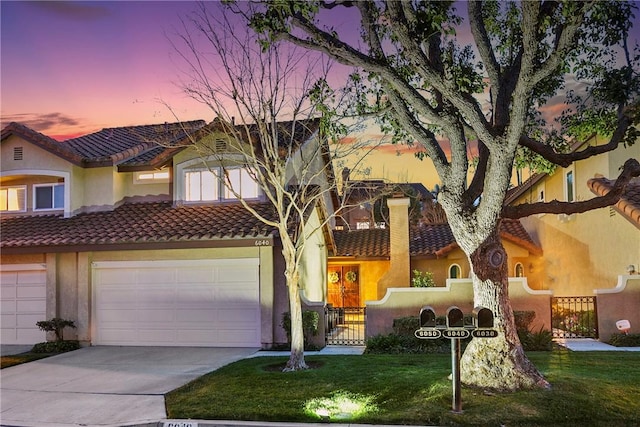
(345, 325)
(574, 317)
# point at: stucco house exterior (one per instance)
(384, 258)
(591, 250)
(127, 232)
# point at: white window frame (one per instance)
(53, 186)
(459, 270)
(569, 189)
(161, 176)
(7, 189)
(223, 193)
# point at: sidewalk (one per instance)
(589, 344)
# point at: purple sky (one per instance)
(70, 68)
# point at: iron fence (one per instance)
(345, 325)
(574, 317)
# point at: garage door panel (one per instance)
(196, 275)
(8, 320)
(234, 274)
(191, 303)
(116, 276)
(26, 321)
(157, 276)
(8, 292)
(31, 278)
(29, 291)
(22, 303)
(196, 316)
(38, 306)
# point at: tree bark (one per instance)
(296, 358)
(496, 363)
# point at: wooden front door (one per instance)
(343, 288)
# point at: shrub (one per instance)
(422, 279)
(56, 325)
(536, 341)
(310, 320)
(625, 340)
(55, 346)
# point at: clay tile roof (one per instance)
(132, 223)
(629, 203)
(42, 141)
(131, 143)
(427, 240)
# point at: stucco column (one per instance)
(398, 275)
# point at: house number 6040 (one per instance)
(262, 243)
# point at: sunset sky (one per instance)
(71, 68)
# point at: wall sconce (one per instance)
(631, 269)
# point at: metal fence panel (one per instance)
(345, 325)
(574, 317)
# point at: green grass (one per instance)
(17, 359)
(589, 388)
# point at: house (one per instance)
(127, 232)
(369, 262)
(591, 250)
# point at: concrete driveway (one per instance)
(104, 385)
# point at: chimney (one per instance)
(398, 275)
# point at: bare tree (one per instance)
(270, 133)
(425, 83)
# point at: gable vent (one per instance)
(612, 211)
(18, 153)
(220, 144)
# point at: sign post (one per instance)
(455, 330)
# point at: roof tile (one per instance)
(137, 223)
(425, 240)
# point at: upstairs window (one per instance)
(48, 197)
(13, 199)
(151, 177)
(569, 185)
(207, 186)
(201, 186)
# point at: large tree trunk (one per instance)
(496, 363)
(296, 359)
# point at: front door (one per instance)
(344, 286)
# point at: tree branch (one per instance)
(566, 159)
(631, 169)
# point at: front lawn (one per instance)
(17, 359)
(589, 388)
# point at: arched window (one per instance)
(455, 272)
(519, 270)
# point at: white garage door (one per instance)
(204, 303)
(23, 302)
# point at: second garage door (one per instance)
(177, 303)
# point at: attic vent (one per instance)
(220, 144)
(612, 212)
(17, 153)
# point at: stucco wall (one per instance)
(619, 303)
(459, 292)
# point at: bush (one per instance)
(56, 325)
(56, 346)
(403, 339)
(310, 320)
(422, 279)
(625, 340)
(536, 341)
